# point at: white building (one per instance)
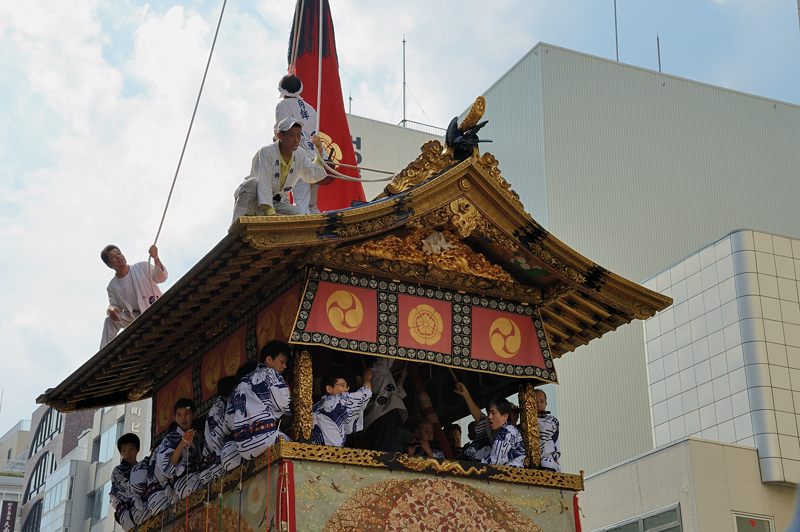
(635, 169)
(724, 359)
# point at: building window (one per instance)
(99, 502)
(49, 426)
(43, 468)
(668, 520)
(57, 494)
(753, 523)
(104, 447)
(34, 520)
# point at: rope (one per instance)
(219, 508)
(319, 65)
(239, 521)
(191, 123)
(338, 175)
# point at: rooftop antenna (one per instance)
(404, 79)
(658, 49)
(616, 34)
(350, 104)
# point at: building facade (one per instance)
(635, 169)
(724, 360)
(13, 455)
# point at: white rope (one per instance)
(338, 175)
(319, 66)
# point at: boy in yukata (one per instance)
(130, 509)
(339, 412)
(259, 401)
(549, 445)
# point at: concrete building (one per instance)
(724, 359)
(690, 485)
(635, 169)
(386, 147)
(14, 446)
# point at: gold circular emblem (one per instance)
(266, 328)
(231, 360)
(328, 145)
(345, 311)
(425, 324)
(505, 338)
(288, 311)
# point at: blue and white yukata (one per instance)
(475, 451)
(219, 452)
(182, 478)
(507, 448)
(336, 416)
(255, 408)
(549, 446)
(129, 508)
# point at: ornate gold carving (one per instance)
(261, 241)
(491, 166)
(458, 257)
(217, 328)
(464, 184)
(539, 477)
(417, 463)
(465, 216)
(528, 414)
(367, 226)
(430, 161)
(302, 396)
(291, 450)
(545, 256)
(642, 312)
(139, 391)
(474, 114)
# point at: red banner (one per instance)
(344, 312)
(425, 323)
(275, 321)
(180, 386)
(222, 361)
(505, 337)
(334, 130)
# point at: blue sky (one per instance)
(95, 97)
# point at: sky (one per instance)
(96, 96)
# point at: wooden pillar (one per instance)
(302, 397)
(529, 422)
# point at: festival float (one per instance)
(444, 271)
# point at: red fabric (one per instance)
(425, 323)
(345, 312)
(577, 512)
(222, 361)
(178, 387)
(275, 322)
(505, 337)
(333, 122)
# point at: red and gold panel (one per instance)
(504, 337)
(222, 361)
(425, 323)
(341, 311)
(178, 387)
(275, 321)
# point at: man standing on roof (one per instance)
(132, 289)
(292, 105)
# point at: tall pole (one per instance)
(658, 48)
(404, 80)
(350, 104)
(616, 34)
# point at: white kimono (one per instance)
(550, 447)
(507, 448)
(146, 293)
(336, 416)
(305, 194)
(254, 409)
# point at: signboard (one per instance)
(8, 517)
(364, 314)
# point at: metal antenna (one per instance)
(616, 34)
(350, 104)
(658, 49)
(404, 79)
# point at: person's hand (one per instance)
(461, 390)
(268, 210)
(315, 140)
(188, 436)
(426, 447)
(368, 378)
(113, 313)
(153, 252)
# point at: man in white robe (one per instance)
(132, 289)
(259, 401)
(293, 105)
(275, 171)
(339, 412)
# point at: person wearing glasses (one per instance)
(339, 412)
